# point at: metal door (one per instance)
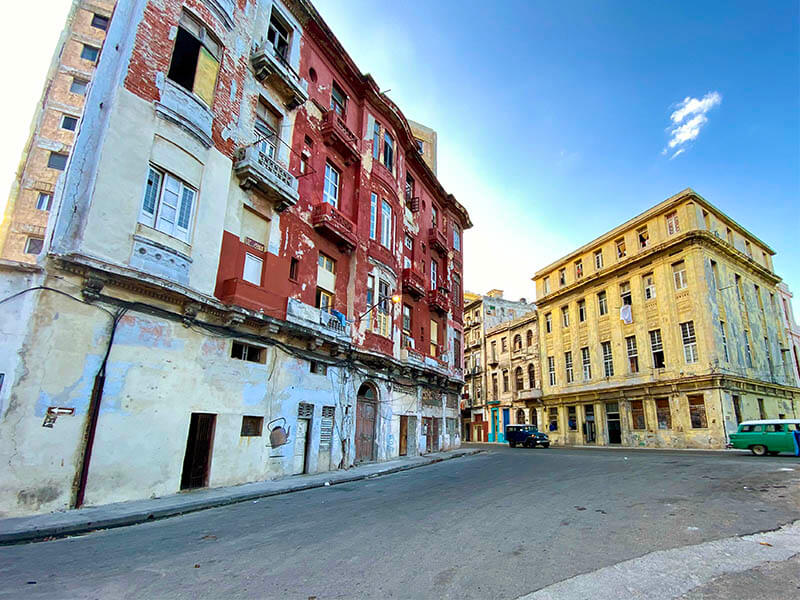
(403, 435)
(365, 431)
(326, 438)
(589, 426)
(300, 445)
(197, 460)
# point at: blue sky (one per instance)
(552, 116)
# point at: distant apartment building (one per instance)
(481, 314)
(791, 328)
(55, 123)
(664, 332)
(253, 270)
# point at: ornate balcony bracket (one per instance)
(258, 171)
(336, 134)
(331, 223)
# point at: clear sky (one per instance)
(557, 120)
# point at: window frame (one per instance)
(679, 277)
(672, 223)
(586, 363)
(608, 358)
(602, 303)
(33, 238)
(689, 339)
(98, 18)
(92, 50)
(48, 204)
(64, 118)
(386, 224)
(632, 351)
(153, 220)
(331, 183)
(568, 368)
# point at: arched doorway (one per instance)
(534, 419)
(366, 410)
(520, 416)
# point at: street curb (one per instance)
(145, 516)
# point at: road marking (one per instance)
(667, 574)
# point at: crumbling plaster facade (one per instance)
(182, 306)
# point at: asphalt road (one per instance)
(496, 525)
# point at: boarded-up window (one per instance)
(637, 414)
(252, 426)
(697, 412)
(195, 59)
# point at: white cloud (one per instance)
(688, 119)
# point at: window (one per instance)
(242, 351)
(434, 275)
(457, 350)
(252, 426)
(672, 223)
(548, 322)
(578, 269)
(456, 239)
(253, 267)
(267, 129)
(748, 353)
(572, 418)
(608, 359)
(602, 303)
(637, 415)
(531, 376)
(373, 216)
(434, 217)
(739, 291)
(370, 292)
(407, 319)
(504, 345)
(294, 265)
(338, 100)
(657, 349)
(69, 123)
(546, 284)
(100, 22)
(44, 201)
(581, 311)
(168, 204)
(643, 237)
(386, 224)
(78, 86)
(384, 297)
(34, 245)
(679, 275)
(517, 343)
(278, 36)
(456, 296)
(748, 249)
(562, 277)
(420, 145)
(529, 338)
(649, 286)
(554, 418)
(633, 354)
(725, 355)
(317, 368)
(729, 235)
(689, 342)
(388, 151)
(57, 161)
(551, 369)
(762, 413)
(195, 59)
(376, 143)
(326, 262)
(90, 53)
(519, 379)
(586, 362)
(714, 275)
(494, 350)
(625, 293)
(324, 300)
(663, 414)
(409, 242)
(737, 408)
(697, 412)
(494, 385)
(505, 380)
(568, 366)
(565, 316)
(622, 252)
(330, 191)
(598, 260)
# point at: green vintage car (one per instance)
(769, 436)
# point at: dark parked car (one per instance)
(527, 435)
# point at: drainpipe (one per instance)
(93, 415)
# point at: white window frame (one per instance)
(598, 259)
(608, 359)
(633, 353)
(649, 286)
(724, 342)
(602, 303)
(373, 215)
(568, 366)
(546, 285)
(48, 202)
(253, 274)
(551, 369)
(679, 276)
(386, 224)
(434, 275)
(586, 361)
(689, 342)
(456, 239)
(673, 224)
(330, 189)
(159, 217)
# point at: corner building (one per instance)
(663, 332)
(253, 271)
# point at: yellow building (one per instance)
(55, 122)
(663, 332)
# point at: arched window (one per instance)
(534, 419)
(517, 342)
(530, 337)
(367, 392)
(531, 376)
(520, 417)
(518, 379)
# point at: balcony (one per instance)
(437, 240)
(332, 224)
(270, 65)
(324, 322)
(438, 301)
(493, 360)
(533, 394)
(336, 134)
(413, 283)
(258, 171)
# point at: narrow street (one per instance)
(501, 524)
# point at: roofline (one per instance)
(654, 210)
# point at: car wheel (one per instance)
(759, 450)
(512, 444)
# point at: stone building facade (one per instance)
(55, 123)
(791, 328)
(481, 314)
(663, 332)
(252, 272)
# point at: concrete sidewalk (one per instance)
(120, 514)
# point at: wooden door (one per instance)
(300, 445)
(435, 435)
(403, 435)
(365, 431)
(197, 460)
